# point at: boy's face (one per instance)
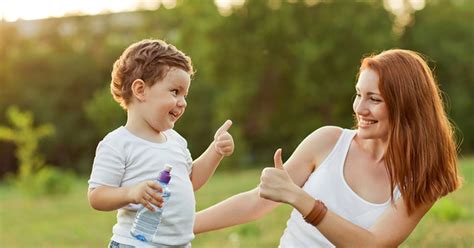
(165, 101)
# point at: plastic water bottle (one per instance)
(146, 222)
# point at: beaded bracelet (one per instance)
(317, 213)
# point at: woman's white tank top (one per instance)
(327, 184)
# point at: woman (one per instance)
(367, 187)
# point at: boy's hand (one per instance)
(146, 193)
(223, 142)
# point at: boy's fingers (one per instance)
(150, 207)
(154, 196)
(225, 143)
(227, 124)
(155, 186)
(224, 136)
(277, 159)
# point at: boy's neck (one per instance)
(141, 129)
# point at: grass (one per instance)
(68, 221)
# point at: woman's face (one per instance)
(370, 108)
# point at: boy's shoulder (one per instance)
(117, 134)
(172, 134)
(118, 138)
(121, 137)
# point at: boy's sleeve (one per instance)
(189, 160)
(184, 146)
(108, 167)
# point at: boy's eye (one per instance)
(175, 92)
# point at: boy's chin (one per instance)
(169, 126)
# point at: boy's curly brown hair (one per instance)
(148, 60)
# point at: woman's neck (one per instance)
(375, 148)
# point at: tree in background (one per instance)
(34, 176)
(278, 69)
(442, 32)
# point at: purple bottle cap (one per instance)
(165, 175)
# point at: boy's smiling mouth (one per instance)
(175, 114)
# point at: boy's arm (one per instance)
(238, 209)
(107, 198)
(206, 164)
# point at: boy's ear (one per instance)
(138, 89)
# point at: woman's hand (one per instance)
(223, 141)
(146, 193)
(276, 184)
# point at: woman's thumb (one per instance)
(277, 159)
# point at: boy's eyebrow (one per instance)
(179, 85)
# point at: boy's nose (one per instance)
(182, 102)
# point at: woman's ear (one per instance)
(138, 89)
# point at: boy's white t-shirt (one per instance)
(123, 159)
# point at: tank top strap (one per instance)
(346, 139)
(337, 156)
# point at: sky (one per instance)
(13, 10)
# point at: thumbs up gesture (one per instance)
(276, 183)
(223, 142)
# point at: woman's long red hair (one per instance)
(421, 157)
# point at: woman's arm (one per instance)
(391, 229)
(249, 206)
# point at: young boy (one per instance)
(151, 80)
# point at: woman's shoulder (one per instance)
(323, 140)
(327, 135)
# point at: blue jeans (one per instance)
(114, 244)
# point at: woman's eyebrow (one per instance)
(370, 92)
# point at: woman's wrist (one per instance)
(317, 213)
(302, 201)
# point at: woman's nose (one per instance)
(361, 108)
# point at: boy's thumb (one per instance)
(277, 159)
(227, 124)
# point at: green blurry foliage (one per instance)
(277, 69)
(26, 138)
(448, 210)
(104, 112)
(34, 177)
(441, 31)
(293, 68)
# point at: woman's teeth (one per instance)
(366, 122)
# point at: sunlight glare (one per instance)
(12, 10)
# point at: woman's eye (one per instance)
(375, 100)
